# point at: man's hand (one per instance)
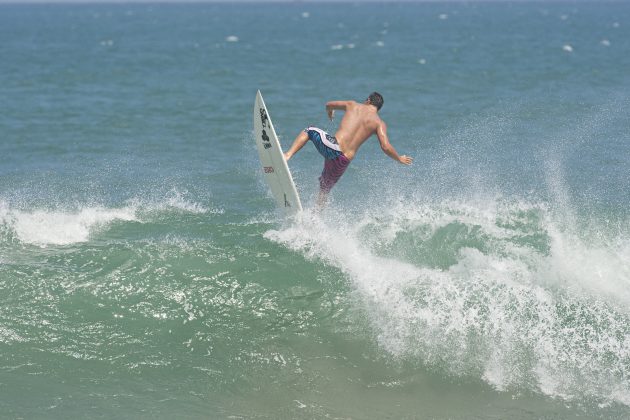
(405, 160)
(331, 113)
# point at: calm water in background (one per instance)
(144, 270)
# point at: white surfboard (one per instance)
(274, 165)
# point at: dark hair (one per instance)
(376, 99)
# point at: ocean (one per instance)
(145, 271)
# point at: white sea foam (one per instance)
(231, 38)
(597, 268)
(177, 200)
(550, 317)
(55, 227)
(9, 336)
(174, 200)
(43, 227)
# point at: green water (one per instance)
(144, 269)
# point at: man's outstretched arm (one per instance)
(388, 149)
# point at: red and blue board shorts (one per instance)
(335, 162)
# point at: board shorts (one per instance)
(335, 162)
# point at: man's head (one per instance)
(375, 99)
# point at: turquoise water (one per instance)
(144, 269)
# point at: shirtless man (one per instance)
(359, 122)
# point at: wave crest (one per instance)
(497, 291)
(62, 226)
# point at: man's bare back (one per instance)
(358, 124)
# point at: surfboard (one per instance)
(273, 164)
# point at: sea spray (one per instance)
(56, 227)
(71, 223)
(490, 298)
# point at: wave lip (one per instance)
(520, 302)
(74, 223)
(56, 227)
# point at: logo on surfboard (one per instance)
(264, 120)
(263, 117)
(268, 169)
(265, 138)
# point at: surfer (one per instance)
(359, 123)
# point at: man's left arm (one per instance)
(386, 146)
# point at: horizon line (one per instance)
(86, 2)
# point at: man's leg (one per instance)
(298, 143)
(333, 170)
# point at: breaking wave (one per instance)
(496, 290)
(76, 224)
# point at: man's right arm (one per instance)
(388, 149)
(332, 105)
